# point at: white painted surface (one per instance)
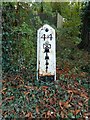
(59, 21)
(46, 38)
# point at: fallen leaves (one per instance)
(44, 88)
(48, 100)
(66, 72)
(29, 115)
(76, 112)
(66, 104)
(51, 107)
(0, 104)
(9, 98)
(78, 92)
(26, 93)
(49, 115)
(28, 87)
(83, 74)
(86, 114)
(84, 95)
(37, 109)
(3, 90)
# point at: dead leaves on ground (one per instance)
(67, 72)
(53, 102)
(29, 115)
(8, 98)
(78, 92)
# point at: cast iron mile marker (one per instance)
(46, 53)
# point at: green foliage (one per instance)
(19, 36)
(72, 20)
(47, 8)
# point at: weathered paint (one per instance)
(46, 52)
(59, 21)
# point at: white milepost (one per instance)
(46, 53)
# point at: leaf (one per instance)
(33, 95)
(37, 109)
(86, 114)
(83, 74)
(18, 77)
(0, 103)
(70, 91)
(48, 113)
(80, 104)
(29, 115)
(1, 91)
(51, 107)
(26, 93)
(67, 105)
(9, 98)
(84, 95)
(73, 91)
(44, 88)
(76, 112)
(61, 104)
(76, 83)
(1, 81)
(27, 98)
(64, 104)
(28, 87)
(62, 114)
(0, 111)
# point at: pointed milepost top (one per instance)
(46, 53)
